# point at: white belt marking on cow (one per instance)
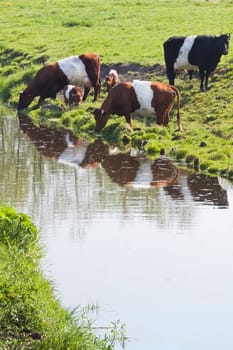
(74, 155)
(75, 70)
(182, 61)
(144, 175)
(67, 91)
(144, 95)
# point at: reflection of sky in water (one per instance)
(156, 258)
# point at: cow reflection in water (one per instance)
(50, 142)
(207, 190)
(139, 171)
(83, 154)
(124, 169)
(199, 188)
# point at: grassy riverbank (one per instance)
(30, 316)
(128, 33)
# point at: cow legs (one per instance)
(41, 99)
(160, 110)
(206, 80)
(50, 94)
(53, 95)
(190, 73)
(128, 118)
(202, 77)
(97, 91)
(166, 114)
(86, 92)
(171, 75)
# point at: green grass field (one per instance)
(120, 31)
(34, 33)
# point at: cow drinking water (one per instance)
(142, 97)
(196, 51)
(83, 70)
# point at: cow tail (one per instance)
(178, 107)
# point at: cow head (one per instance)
(111, 79)
(76, 95)
(101, 118)
(225, 38)
(25, 98)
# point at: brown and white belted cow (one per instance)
(83, 70)
(72, 95)
(145, 98)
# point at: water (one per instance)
(149, 244)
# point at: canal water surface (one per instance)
(151, 245)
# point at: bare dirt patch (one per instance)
(130, 71)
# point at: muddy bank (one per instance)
(130, 71)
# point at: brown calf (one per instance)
(72, 95)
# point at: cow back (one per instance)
(75, 70)
(171, 48)
(145, 96)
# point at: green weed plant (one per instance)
(31, 317)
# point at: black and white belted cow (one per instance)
(195, 51)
